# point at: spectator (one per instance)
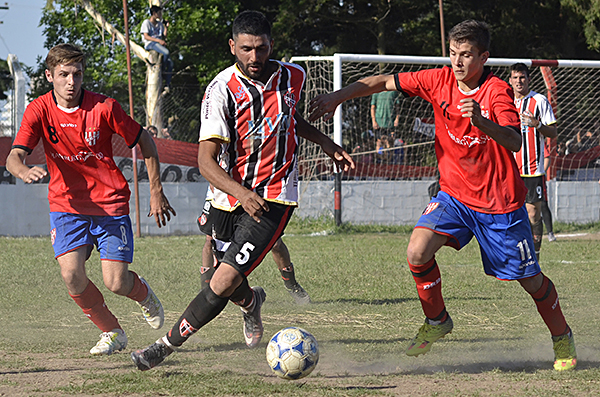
(384, 116)
(154, 32)
(398, 153)
(153, 131)
(383, 154)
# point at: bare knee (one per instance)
(416, 255)
(225, 280)
(532, 284)
(120, 284)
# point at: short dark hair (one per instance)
(251, 22)
(476, 32)
(64, 54)
(520, 67)
(155, 9)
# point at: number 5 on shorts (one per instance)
(244, 254)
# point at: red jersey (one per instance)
(84, 178)
(474, 168)
(256, 124)
(530, 159)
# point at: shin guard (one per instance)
(92, 303)
(546, 300)
(201, 310)
(429, 287)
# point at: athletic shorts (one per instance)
(112, 235)
(535, 188)
(250, 240)
(505, 240)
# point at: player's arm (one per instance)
(507, 137)
(208, 164)
(339, 156)
(159, 205)
(549, 131)
(325, 104)
(15, 164)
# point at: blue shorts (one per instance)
(112, 235)
(505, 240)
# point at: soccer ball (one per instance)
(292, 353)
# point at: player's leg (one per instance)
(534, 211)
(114, 238)
(208, 262)
(440, 224)
(72, 243)
(251, 241)
(281, 257)
(505, 241)
(547, 215)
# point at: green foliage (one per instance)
(6, 80)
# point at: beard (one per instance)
(262, 71)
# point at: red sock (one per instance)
(139, 292)
(546, 300)
(92, 303)
(429, 287)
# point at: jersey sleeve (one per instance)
(546, 114)
(122, 124)
(31, 129)
(145, 27)
(215, 115)
(421, 83)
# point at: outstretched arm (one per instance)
(159, 205)
(208, 165)
(339, 156)
(15, 164)
(325, 104)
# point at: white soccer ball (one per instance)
(292, 353)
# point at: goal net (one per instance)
(405, 151)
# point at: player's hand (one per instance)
(472, 110)
(253, 204)
(322, 105)
(160, 209)
(340, 157)
(528, 119)
(34, 174)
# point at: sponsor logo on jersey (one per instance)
(185, 329)
(430, 207)
(53, 235)
(92, 135)
(468, 140)
(264, 128)
(79, 157)
(203, 220)
(65, 125)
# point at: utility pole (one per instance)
(4, 7)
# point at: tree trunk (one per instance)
(153, 86)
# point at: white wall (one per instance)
(24, 208)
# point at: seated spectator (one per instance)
(383, 155)
(367, 146)
(153, 131)
(398, 152)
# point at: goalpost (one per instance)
(406, 151)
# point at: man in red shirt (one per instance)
(482, 193)
(88, 194)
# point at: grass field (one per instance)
(364, 312)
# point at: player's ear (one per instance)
(232, 46)
(48, 75)
(485, 56)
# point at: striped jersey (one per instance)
(530, 159)
(84, 178)
(256, 125)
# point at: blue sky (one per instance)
(19, 32)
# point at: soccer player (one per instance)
(482, 193)
(88, 194)
(537, 123)
(247, 152)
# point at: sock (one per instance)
(429, 287)
(139, 292)
(92, 303)
(289, 276)
(243, 296)
(201, 310)
(546, 300)
(206, 274)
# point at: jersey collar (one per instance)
(78, 105)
